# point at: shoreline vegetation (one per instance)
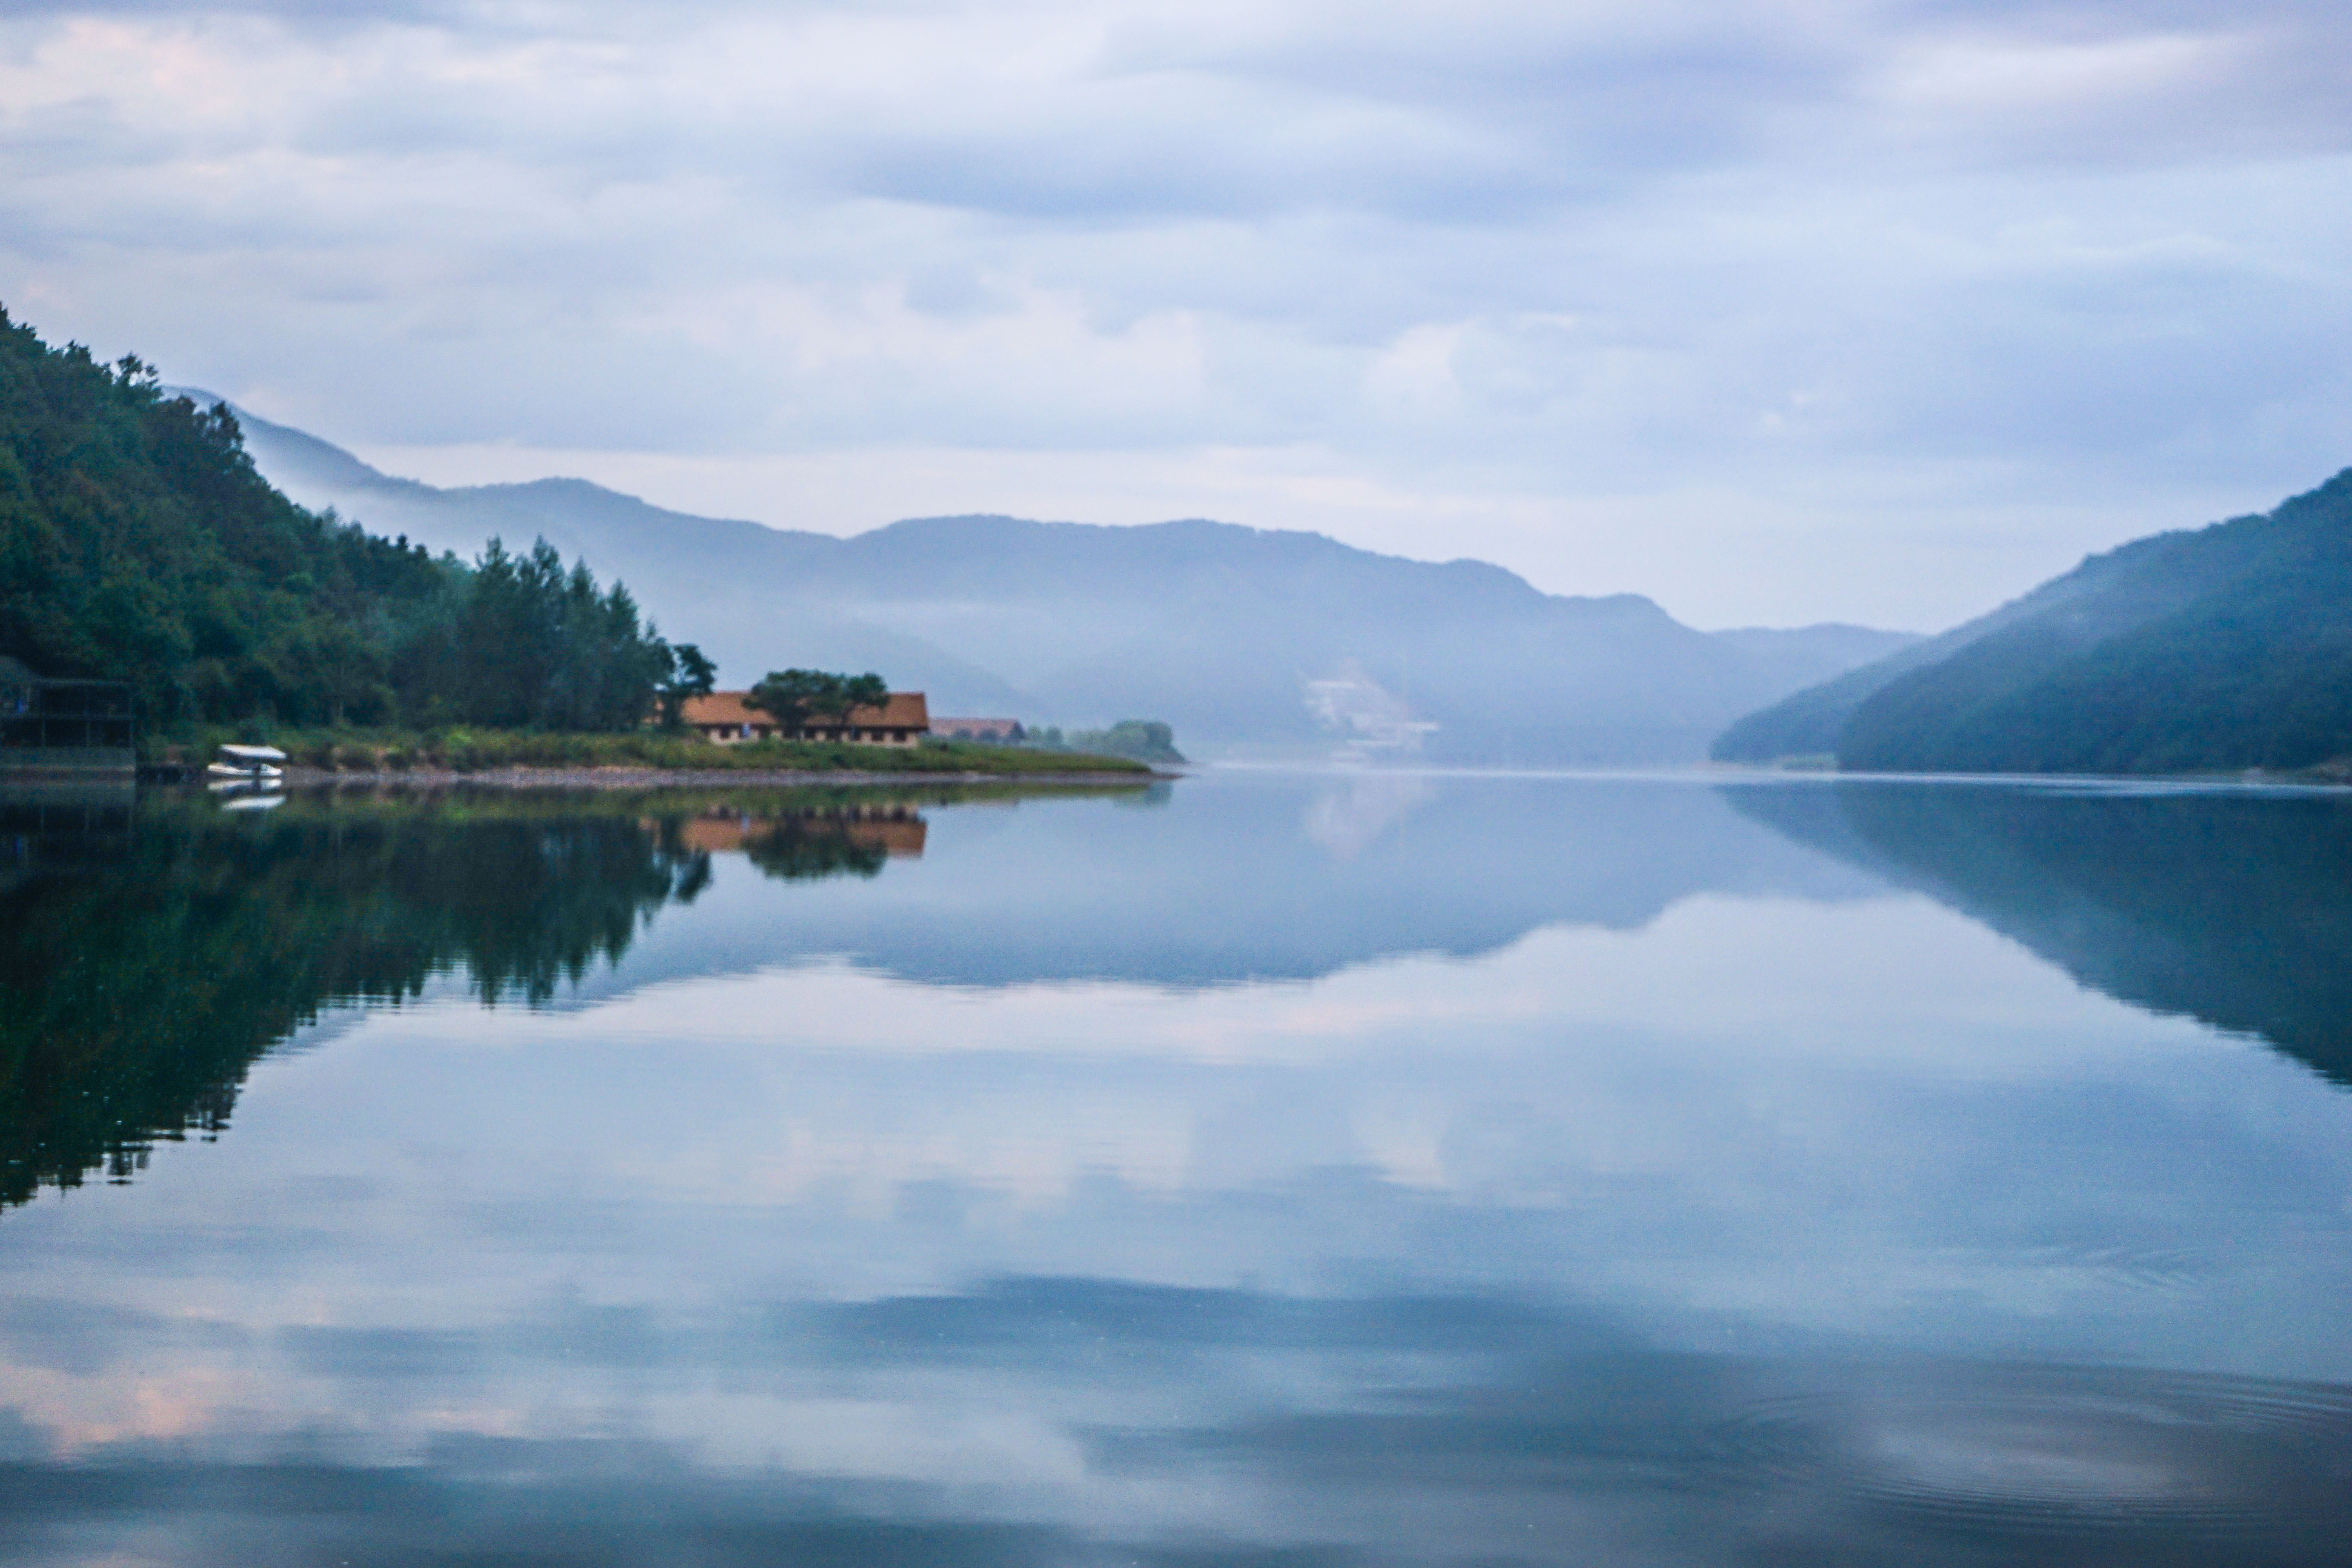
(316, 756)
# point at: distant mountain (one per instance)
(1799, 656)
(1242, 638)
(2225, 647)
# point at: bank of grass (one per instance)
(468, 750)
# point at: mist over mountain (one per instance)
(2222, 647)
(1245, 639)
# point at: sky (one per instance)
(1777, 310)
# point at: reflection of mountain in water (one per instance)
(152, 949)
(146, 960)
(2231, 907)
(1238, 877)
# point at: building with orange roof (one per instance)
(729, 718)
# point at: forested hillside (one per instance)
(2222, 649)
(139, 544)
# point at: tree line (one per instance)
(794, 698)
(139, 544)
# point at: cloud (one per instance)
(1956, 259)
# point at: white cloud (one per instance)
(1571, 261)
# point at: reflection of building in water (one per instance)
(897, 831)
(64, 726)
(62, 825)
(1371, 721)
(900, 837)
(715, 834)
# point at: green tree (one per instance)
(139, 544)
(792, 697)
(795, 697)
(690, 673)
(867, 691)
(1138, 739)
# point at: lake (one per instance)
(1268, 1168)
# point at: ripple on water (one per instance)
(2066, 1450)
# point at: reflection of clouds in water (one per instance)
(1345, 822)
(1080, 1421)
(1897, 984)
(1787, 1145)
(704, 1252)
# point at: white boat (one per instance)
(248, 762)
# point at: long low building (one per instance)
(729, 718)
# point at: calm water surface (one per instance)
(1271, 1169)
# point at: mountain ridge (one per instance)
(1224, 629)
(2218, 648)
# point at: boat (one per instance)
(248, 762)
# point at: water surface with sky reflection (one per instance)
(1268, 1168)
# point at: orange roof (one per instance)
(723, 707)
(904, 710)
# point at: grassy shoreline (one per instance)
(611, 779)
(671, 795)
(467, 752)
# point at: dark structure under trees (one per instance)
(65, 726)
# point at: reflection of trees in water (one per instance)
(2231, 907)
(137, 987)
(797, 851)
